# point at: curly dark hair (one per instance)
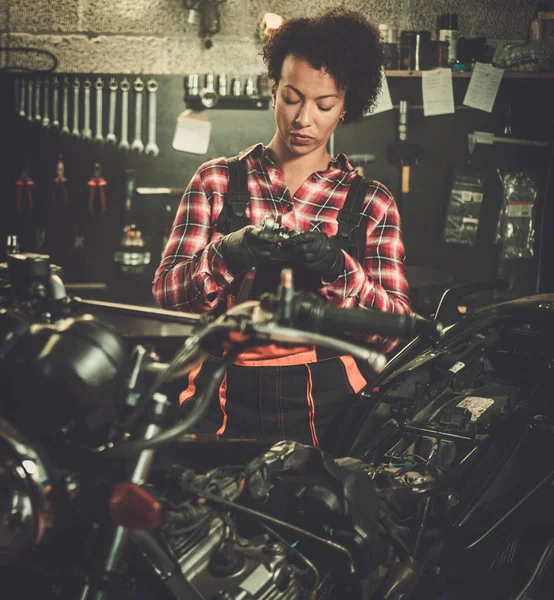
(344, 43)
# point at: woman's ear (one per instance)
(273, 94)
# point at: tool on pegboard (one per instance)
(97, 204)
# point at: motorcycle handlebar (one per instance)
(319, 316)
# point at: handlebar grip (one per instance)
(368, 321)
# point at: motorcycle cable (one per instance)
(201, 406)
(512, 510)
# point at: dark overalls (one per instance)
(275, 393)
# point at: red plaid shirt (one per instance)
(193, 277)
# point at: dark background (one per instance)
(443, 140)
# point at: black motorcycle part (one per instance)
(65, 382)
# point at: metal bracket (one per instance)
(486, 137)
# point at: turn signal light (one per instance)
(133, 507)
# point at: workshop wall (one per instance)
(153, 36)
(100, 39)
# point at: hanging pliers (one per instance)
(24, 193)
(97, 191)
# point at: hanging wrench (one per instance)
(16, 94)
(137, 144)
(22, 98)
(99, 86)
(38, 118)
(124, 87)
(76, 86)
(110, 138)
(151, 146)
(86, 134)
(55, 91)
(46, 118)
(65, 108)
(30, 100)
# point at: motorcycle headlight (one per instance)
(26, 511)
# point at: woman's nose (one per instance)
(304, 115)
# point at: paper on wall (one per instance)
(438, 96)
(483, 86)
(383, 101)
(192, 132)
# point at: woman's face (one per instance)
(308, 106)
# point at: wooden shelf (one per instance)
(467, 75)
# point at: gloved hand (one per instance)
(248, 247)
(317, 252)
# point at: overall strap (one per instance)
(233, 214)
(350, 235)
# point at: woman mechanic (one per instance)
(324, 71)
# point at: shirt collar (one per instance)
(260, 152)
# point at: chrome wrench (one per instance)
(99, 86)
(22, 98)
(46, 118)
(38, 118)
(137, 144)
(86, 134)
(124, 87)
(16, 94)
(76, 86)
(30, 100)
(55, 92)
(110, 138)
(151, 146)
(65, 108)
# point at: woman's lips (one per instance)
(301, 139)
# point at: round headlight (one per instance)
(25, 496)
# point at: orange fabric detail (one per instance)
(222, 404)
(355, 378)
(311, 409)
(272, 355)
(191, 389)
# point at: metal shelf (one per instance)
(467, 75)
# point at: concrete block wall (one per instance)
(153, 36)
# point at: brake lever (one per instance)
(376, 361)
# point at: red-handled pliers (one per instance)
(24, 189)
(97, 187)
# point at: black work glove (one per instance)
(317, 252)
(248, 247)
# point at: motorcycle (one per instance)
(106, 492)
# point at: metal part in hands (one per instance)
(110, 138)
(46, 117)
(76, 87)
(137, 144)
(30, 100)
(87, 131)
(38, 116)
(55, 93)
(22, 98)
(124, 87)
(99, 86)
(151, 146)
(65, 108)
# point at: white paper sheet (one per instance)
(483, 86)
(384, 101)
(192, 132)
(438, 96)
